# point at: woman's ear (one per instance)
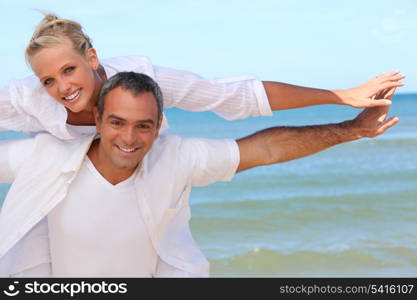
(92, 58)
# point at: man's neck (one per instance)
(102, 165)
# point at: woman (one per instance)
(70, 76)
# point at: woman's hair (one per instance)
(52, 31)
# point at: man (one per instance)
(117, 204)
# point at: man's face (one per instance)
(128, 127)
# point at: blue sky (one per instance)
(323, 44)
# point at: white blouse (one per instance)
(26, 106)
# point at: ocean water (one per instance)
(350, 210)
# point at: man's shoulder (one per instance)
(28, 142)
(172, 140)
(169, 144)
(47, 137)
(166, 141)
(49, 143)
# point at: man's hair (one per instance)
(136, 83)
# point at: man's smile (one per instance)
(127, 149)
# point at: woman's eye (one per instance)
(47, 81)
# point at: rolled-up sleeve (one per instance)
(13, 153)
(10, 118)
(209, 160)
(230, 98)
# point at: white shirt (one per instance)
(163, 186)
(26, 106)
(98, 230)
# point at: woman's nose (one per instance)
(64, 87)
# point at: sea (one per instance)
(348, 211)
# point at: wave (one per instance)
(254, 198)
(354, 262)
(402, 137)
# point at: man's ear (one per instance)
(97, 119)
(92, 58)
(158, 127)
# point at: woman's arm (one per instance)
(231, 98)
(10, 117)
(241, 97)
(286, 96)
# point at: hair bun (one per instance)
(49, 18)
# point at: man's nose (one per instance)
(128, 135)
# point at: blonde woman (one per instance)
(69, 75)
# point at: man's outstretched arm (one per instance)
(279, 144)
(286, 96)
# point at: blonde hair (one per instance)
(52, 31)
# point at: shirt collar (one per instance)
(78, 150)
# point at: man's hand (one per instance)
(372, 122)
(363, 96)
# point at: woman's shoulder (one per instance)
(29, 82)
(28, 92)
(38, 109)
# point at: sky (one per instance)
(322, 43)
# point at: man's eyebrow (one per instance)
(146, 121)
(115, 117)
(138, 121)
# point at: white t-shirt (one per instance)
(121, 246)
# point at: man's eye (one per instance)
(69, 69)
(143, 126)
(116, 123)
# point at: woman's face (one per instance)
(68, 77)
